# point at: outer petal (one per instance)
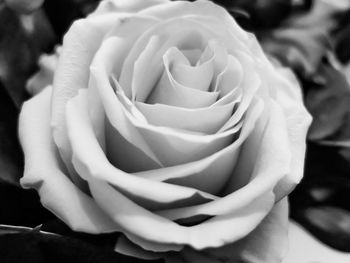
(150, 230)
(268, 243)
(43, 171)
(126, 247)
(199, 174)
(72, 74)
(287, 93)
(187, 119)
(271, 164)
(90, 161)
(203, 11)
(250, 84)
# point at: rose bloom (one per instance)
(166, 122)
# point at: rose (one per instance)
(167, 122)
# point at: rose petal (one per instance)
(90, 161)
(124, 155)
(198, 76)
(187, 119)
(287, 93)
(230, 78)
(297, 126)
(250, 85)
(44, 173)
(85, 156)
(192, 55)
(168, 91)
(158, 234)
(249, 158)
(181, 29)
(199, 174)
(174, 32)
(72, 74)
(202, 74)
(152, 140)
(227, 228)
(267, 243)
(154, 232)
(142, 69)
(207, 13)
(79, 46)
(271, 165)
(126, 247)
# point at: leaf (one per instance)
(320, 203)
(328, 103)
(331, 224)
(303, 40)
(342, 39)
(262, 14)
(23, 38)
(17, 60)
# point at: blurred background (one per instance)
(312, 37)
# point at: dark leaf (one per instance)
(17, 206)
(328, 101)
(303, 40)
(329, 224)
(320, 203)
(263, 14)
(342, 39)
(22, 39)
(11, 159)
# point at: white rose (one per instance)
(166, 122)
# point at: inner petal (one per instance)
(192, 55)
(230, 78)
(187, 119)
(165, 146)
(169, 91)
(250, 85)
(196, 77)
(92, 163)
(184, 35)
